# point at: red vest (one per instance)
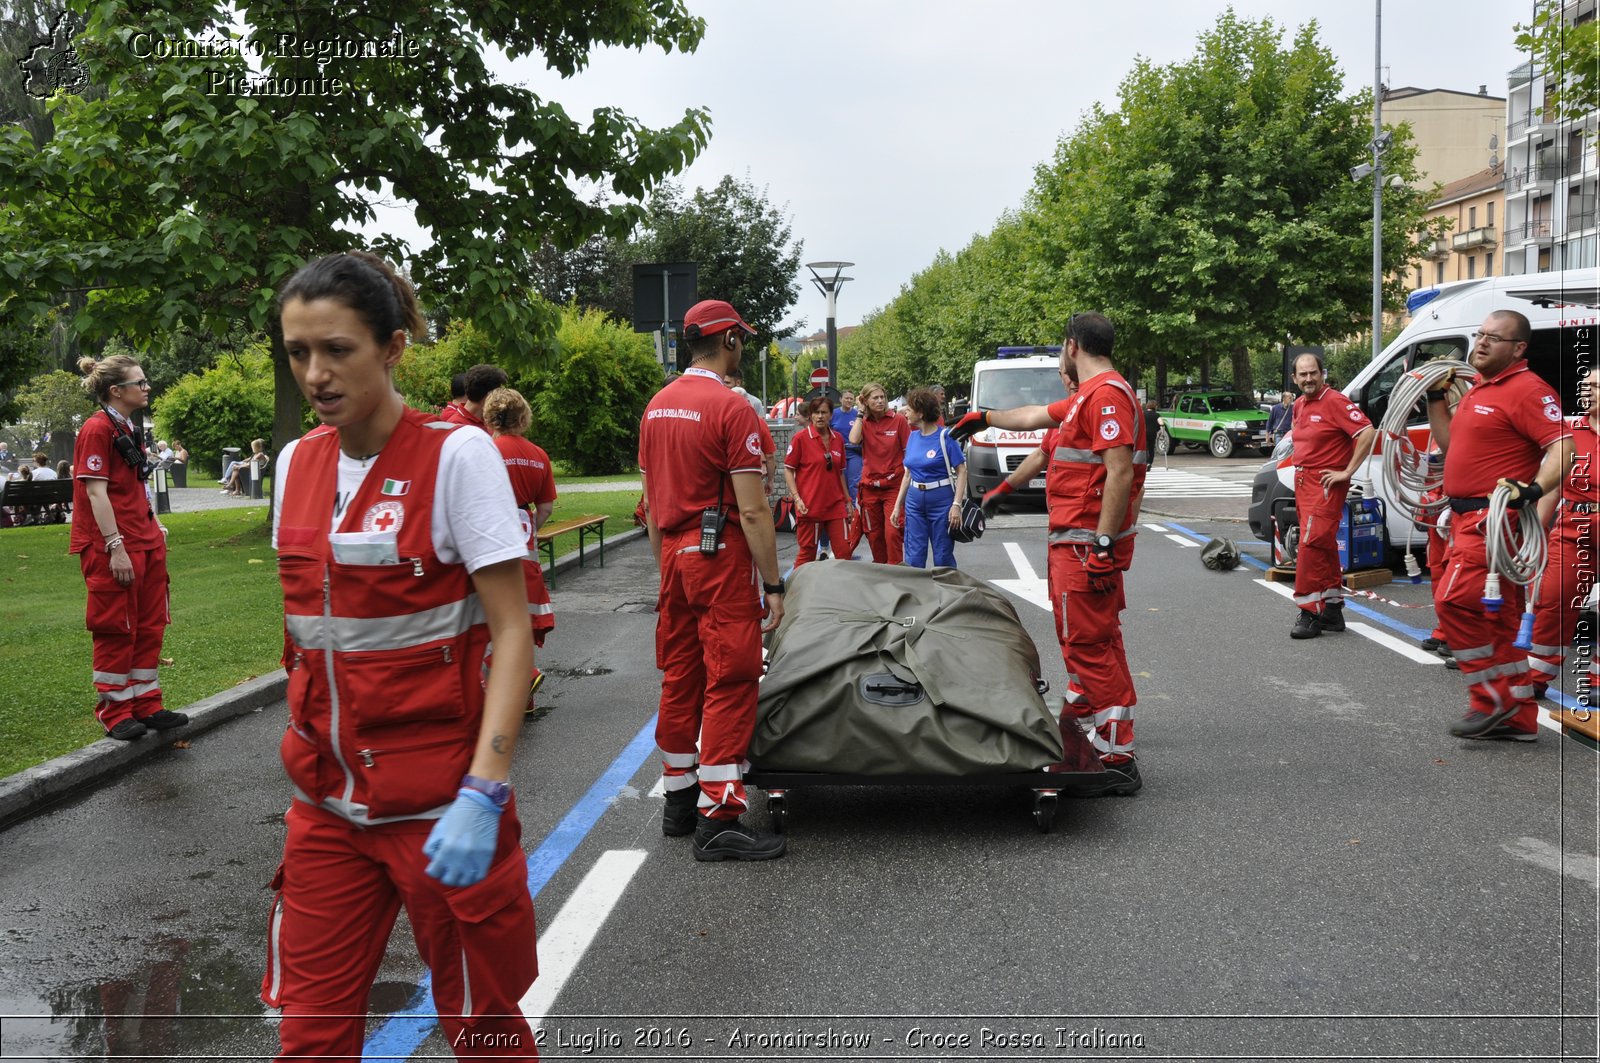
(386, 662)
(1076, 478)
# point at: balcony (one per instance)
(1579, 220)
(1482, 236)
(1438, 250)
(1537, 231)
(1542, 174)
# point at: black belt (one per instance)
(1468, 505)
(1580, 507)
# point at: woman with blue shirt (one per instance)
(928, 506)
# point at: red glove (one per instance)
(991, 499)
(1102, 572)
(969, 425)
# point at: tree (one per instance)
(187, 192)
(1213, 215)
(226, 405)
(742, 245)
(609, 372)
(55, 402)
(1569, 56)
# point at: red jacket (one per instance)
(386, 662)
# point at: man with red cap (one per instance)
(1094, 487)
(1332, 438)
(701, 458)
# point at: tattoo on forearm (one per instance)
(498, 743)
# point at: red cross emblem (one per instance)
(386, 516)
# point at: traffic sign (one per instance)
(819, 377)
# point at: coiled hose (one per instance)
(1410, 474)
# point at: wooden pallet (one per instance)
(1353, 581)
(1583, 724)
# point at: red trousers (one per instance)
(127, 624)
(708, 647)
(805, 537)
(872, 520)
(1318, 578)
(540, 613)
(1099, 686)
(339, 889)
(1568, 577)
(1438, 549)
(1495, 670)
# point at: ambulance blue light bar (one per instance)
(1024, 352)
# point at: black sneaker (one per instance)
(1118, 780)
(127, 730)
(1452, 664)
(1443, 649)
(1306, 626)
(1479, 724)
(1503, 733)
(1432, 644)
(729, 839)
(677, 819)
(165, 720)
(1332, 618)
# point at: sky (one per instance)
(889, 129)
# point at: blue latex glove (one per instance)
(1102, 571)
(461, 845)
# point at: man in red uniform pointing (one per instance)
(1094, 487)
(701, 456)
(1332, 438)
(1507, 430)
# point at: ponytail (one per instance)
(100, 375)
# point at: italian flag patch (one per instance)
(395, 487)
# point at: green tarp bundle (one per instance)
(889, 670)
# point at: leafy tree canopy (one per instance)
(187, 192)
(1569, 56)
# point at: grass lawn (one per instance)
(227, 619)
(227, 626)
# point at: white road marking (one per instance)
(1156, 527)
(1027, 586)
(567, 938)
(1277, 588)
(1160, 482)
(660, 788)
(1580, 866)
(1182, 540)
(1400, 646)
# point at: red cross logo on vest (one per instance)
(384, 517)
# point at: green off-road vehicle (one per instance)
(1220, 421)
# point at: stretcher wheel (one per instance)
(778, 809)
(1044, 809)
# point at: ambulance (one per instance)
(1016, 376)
(1562, 309)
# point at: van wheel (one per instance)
(1221, 445)
(1163, 443)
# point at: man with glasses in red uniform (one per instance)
(1507, 430)
(1332, 438)
(701, 457)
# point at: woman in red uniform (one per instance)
(123, 552)
(401, 561)
(814, 468)
(882, 433)
(533, 482)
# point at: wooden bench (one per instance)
(42, 494)
(594, 525)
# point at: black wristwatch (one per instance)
(1102, 544)
(772, 588)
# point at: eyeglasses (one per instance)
(1492, 338)
(141, 383)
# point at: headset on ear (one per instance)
(727, 339)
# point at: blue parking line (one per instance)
(405, 1030)
(1416, 633)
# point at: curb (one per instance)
(30, 790)
(33, 789)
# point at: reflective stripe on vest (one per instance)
(362, 634)
(1089, 457)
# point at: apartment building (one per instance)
(1453, 131)
(1474, 205)
(1552, 176)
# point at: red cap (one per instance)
(711, 316)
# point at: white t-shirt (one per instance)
(474, 512)
(43, 472)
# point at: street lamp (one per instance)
(829, 286)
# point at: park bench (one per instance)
(38, 498)
(594, 525)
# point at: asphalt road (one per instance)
(1313, 869)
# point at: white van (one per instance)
(1017, 376)
(1561, 307)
